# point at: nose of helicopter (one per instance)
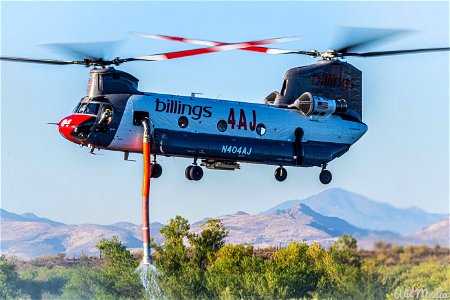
(76, 128)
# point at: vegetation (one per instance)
(9, 279)
(200, 266)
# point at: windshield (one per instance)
(88, 108)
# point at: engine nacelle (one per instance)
(316, 105)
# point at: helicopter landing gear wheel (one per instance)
(325, 176)
(196, 173)
(280, 174)
(156, 170)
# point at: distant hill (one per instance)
(437, 233)
(281, 227)
(363, 212)
(27, 217)
(27, 237)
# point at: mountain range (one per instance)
(322, 218)
(27, 236)
(279, 228)
(365, 213)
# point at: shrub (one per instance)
(119, 270)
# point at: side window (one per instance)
(183, 122)
(261, 129)
(222, 125)
(106, 116)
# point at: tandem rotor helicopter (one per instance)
(315, 117)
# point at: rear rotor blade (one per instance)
(214, 43)
(354, 38)
(395, 52)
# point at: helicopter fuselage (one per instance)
(212, 129)
(288, 129)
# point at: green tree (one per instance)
(9, 279)
(208, 241)
(295, 271)
(173, 253)
(181, 276)
(119, 269)
(184, 257)
(235, 273)
(344, 270)
(345, 251)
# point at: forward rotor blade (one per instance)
(70, 50)
(88, 50)
(43, 61)
(214, 43)
(395, 52)
(191, 52)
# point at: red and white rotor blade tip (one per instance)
(254, 47)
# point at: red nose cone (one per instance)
(70, 124)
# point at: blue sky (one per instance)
(403, 159)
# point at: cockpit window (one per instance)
(88, 108)
(76, 108)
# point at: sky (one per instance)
(402, 160)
